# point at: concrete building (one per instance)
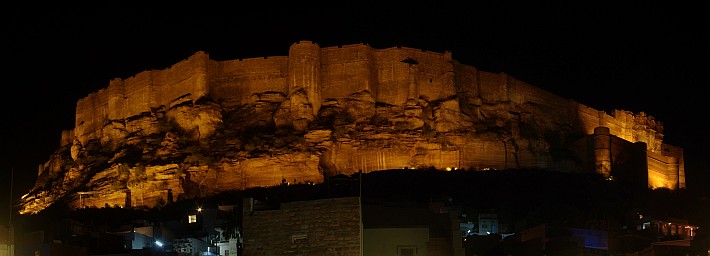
(410, 230)
(190, 246)
(315, 227)
(346, 227)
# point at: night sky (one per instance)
(641, 57)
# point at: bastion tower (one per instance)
(304, 67)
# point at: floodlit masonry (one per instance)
(393, 76)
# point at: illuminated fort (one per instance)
(480, 120)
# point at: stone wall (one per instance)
(623, 160)
(665, 171)
(407, 73)
(393, 77)
(318, 227)
(237, 80)
(348, 69)
(674, 156)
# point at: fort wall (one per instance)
(407, 74)
(588, 118)
(675, 153)
(345, 70)
(348, 69)
(91, 114)
(665, 171)
(493, 87)
(392, 75)
(238, 80)
(67, 138)
(623, 124)
(141, 93)
(466, 77)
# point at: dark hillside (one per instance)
(527, 196)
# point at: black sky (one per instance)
(647, 57)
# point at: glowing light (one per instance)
(158, 243)
(199, 209)
(448, 168)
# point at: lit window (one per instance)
(191, 218)
(299, 239)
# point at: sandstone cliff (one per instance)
(202, 127)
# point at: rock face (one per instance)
(203, 127)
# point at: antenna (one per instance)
(10, 235)
(360, 184)
(12, 179)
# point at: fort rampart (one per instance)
(393, 76)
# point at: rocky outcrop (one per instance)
(202, 148)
